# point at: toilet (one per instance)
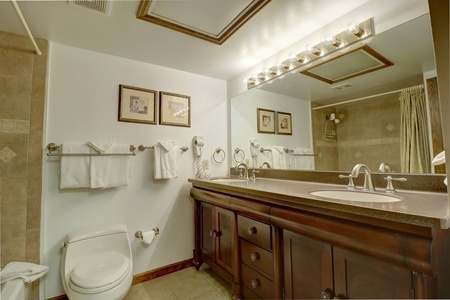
(97, 263)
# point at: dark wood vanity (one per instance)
(274, 245)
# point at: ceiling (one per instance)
(120, 33)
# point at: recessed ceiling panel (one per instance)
(355, 63)
(211, 20)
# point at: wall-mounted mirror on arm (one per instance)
(346, 110)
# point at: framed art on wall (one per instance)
(174, 109)
(137, 105)
(266, 120)
(284, 123)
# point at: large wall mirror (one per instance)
(337, 125)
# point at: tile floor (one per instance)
(187, 284)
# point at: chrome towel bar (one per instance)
(52, 147)
(143, 148)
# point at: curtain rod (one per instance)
(357, 99)
(25, 26)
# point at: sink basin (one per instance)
(356, 196)
(228, 180)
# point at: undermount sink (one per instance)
(228, 180)
(357, 196)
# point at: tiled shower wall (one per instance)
(368, 133)
(22, 98)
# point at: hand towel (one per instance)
(166, 160)
(99, 166)
(27, 271)
(119, 167)
(74, 169)
(278, 157)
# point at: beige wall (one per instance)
(369, 133)
(22, 98)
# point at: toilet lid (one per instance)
(99, 270)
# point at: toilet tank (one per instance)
(92, 240)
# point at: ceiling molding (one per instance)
(245, 15)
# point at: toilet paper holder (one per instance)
(140, 235)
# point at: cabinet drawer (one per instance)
(257, 258)
(256, 232)
(257, 283)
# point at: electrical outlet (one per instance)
(205, 164)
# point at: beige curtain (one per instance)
(415, 151)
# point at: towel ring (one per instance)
(216, 153)
(236, 153)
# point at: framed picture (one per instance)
(137, 105)
(266, 120)
(284, 123)
(174, 109)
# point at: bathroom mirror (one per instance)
(408, 46)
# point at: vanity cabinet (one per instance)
(269, 248)
(217, 235)
(316, 269)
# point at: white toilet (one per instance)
(97, 263)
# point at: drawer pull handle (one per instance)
(327, 294)
(254, 256)
(213, 233)
(255, 283)
(251, 231)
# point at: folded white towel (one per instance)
(119, 167)
(302, 162)
(74, 169)
(166, 160)
(100, 165)
(27, 271)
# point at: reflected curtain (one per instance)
(414, 143)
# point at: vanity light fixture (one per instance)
(314, 54)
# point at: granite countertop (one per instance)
(427, 209)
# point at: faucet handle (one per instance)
(240, 173)
(254, 173)
(351, 185)
(390, 186)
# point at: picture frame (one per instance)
(137, 105)
(174, 109)
(266, 121)
(284, 123)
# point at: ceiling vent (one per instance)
(342, 86)
(99, 6)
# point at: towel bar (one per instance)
(52, 147)
(143, 148)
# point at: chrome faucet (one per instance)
(368, 182)
(245, 167)
(265, 164)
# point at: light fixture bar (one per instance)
(355, 33)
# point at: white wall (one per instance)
(244, 119)
(82, 106)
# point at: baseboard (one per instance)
(148, 275)
(152, 274)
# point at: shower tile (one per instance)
(16, 142)
(32, 246)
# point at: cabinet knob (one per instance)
(255, 283)
(213, 233)
(254, 256)
(327, 294)
(251, 230)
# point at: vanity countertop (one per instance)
(426, 209)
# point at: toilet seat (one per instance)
(100, 272)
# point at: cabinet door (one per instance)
(358, 277)
(225, 238)
(207, 230)
(308, 267)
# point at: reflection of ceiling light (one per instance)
(339, 42)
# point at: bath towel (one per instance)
(100, 165)
(278, 157)
(119, 167)
(166, 160)
(74, 169)
(300, 161)
(27, 271)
